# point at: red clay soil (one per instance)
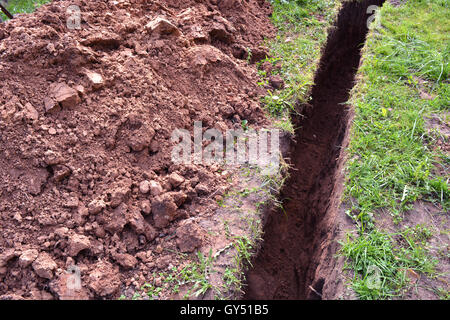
(298, 248)
(86, 117)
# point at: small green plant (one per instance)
(232, 280)
(443, 294)
(277, 105)
(249, 55)
(151, 291)
(244, 125)
(392, 254)
(244, 248)
(195, 276)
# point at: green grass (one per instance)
(392, 254)
(393, 158)
(195, 277)
(391, 152)
(23, 6)
(302, 30)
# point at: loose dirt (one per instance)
(86, 117)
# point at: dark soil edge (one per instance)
(296, 258)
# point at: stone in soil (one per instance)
(44, 265)
(78, 243)
(27, 257)
(189, 236)
(66, 96)
(164, 210)
(104, 279)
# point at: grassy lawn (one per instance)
(394, 161)
(22, 6)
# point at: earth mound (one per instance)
(86, 117)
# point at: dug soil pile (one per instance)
(86, 117)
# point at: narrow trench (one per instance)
(297, 242)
